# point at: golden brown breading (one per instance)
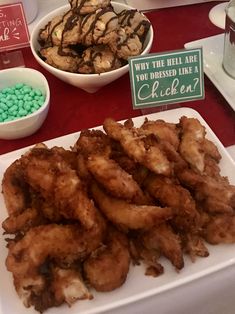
(173, 195)
(116, 181)
(162, 130)
(129, 216)
(192, 137)
(152, 157)
(148, 256)
(211, 150)
(63, 244)
(215, 195)
(14, 188)
(220, 229)
(68, 286)
(107, 267)
(48, 173)
(60, 239)
(193, 245)
(22, 222)
(92, 142)
(163, 238)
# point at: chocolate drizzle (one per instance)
(126, 17)
(79, 7)
(92, 27)
(69, 25)
(95, 53)
(79, 31)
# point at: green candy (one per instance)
(4, 115)
(19, 86)
(3, 106)
(19, 101)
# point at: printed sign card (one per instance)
(165, 78)
(14, 32)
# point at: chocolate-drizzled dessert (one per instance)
(67, 62)
(83, 7)
(126, 44)
(98, 59)
(99, 27)
(63, 30)
(92, 37)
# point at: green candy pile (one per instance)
(19, 101)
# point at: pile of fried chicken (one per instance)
(78, 217)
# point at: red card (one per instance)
(14, 32)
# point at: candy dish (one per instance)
(88, 82)
(30, 123)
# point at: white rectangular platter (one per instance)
(137, 286)
(212, 59)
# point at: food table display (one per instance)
(73, 110)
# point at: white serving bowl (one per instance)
(88, 82)
(29, 124)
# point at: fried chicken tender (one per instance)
(140, 252)
(115, 180)
(162, 130)
(220, 229)
(48, 173)
(212, 168)
(172, 194)
(193, 245)
(99, 269)
(129, 216)
(193, 135)
(23, 222)
(163, 238)
(93, 141)
(63, 244)
(68, 286)
(151, 156)
(215, 196)
(46, 241)
(15, 188)
(211, 150)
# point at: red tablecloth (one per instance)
(73, 109)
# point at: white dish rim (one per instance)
(214, 79)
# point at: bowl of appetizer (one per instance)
(88, 46)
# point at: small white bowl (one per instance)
(88, 82)
(29, 124)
